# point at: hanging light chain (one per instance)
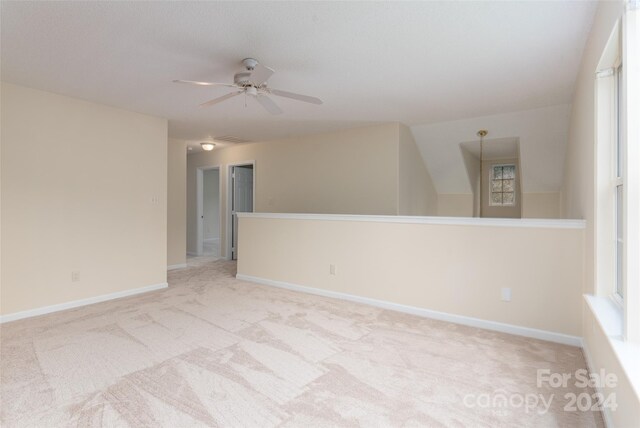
(481, 133)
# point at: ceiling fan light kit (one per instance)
(253, 83)
(207, 146)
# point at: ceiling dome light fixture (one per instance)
(207, 146)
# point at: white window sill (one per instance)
(610, 318)
(608, 314)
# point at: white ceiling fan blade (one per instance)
(268, 104)
(193, 82)
(260, 74)
(220, 99)
(293, 96)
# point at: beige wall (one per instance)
(541, 205)
(416, 193)
(419, 265)
(534, 205)
(78, 181)
(211, 203)
(578, 199)
(455, 205)
(177, 203)
(353, 171)
(472, 166)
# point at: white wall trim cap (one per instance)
(426, 313)
(77, 303)
(607, 313)
(453, 221)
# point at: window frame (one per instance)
(618, 188)
(617, 178)
(515, 184)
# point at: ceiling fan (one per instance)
(253, 82)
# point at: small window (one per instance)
(503, 185)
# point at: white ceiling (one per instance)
(413, 62)
(493, 148)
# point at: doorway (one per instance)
(208, 212)
(241, 199)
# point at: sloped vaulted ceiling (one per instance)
(542, 135)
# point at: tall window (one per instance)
(503, 185)
(619, 184)
(617, 190)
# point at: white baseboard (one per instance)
(427, 313)
(178, 266)
(77, 303)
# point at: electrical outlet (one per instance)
(75, 276)
(154, 199)
(332, 269)
(506, 294)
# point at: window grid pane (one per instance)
(618, 108)
(503, 185)
(619, 240)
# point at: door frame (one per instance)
(200, 206)
(229, 215)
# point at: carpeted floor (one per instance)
(215, 351)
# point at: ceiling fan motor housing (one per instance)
(250, 63)
(242, 78)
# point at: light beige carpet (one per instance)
(215, 351)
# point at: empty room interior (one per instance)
(320, 214)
